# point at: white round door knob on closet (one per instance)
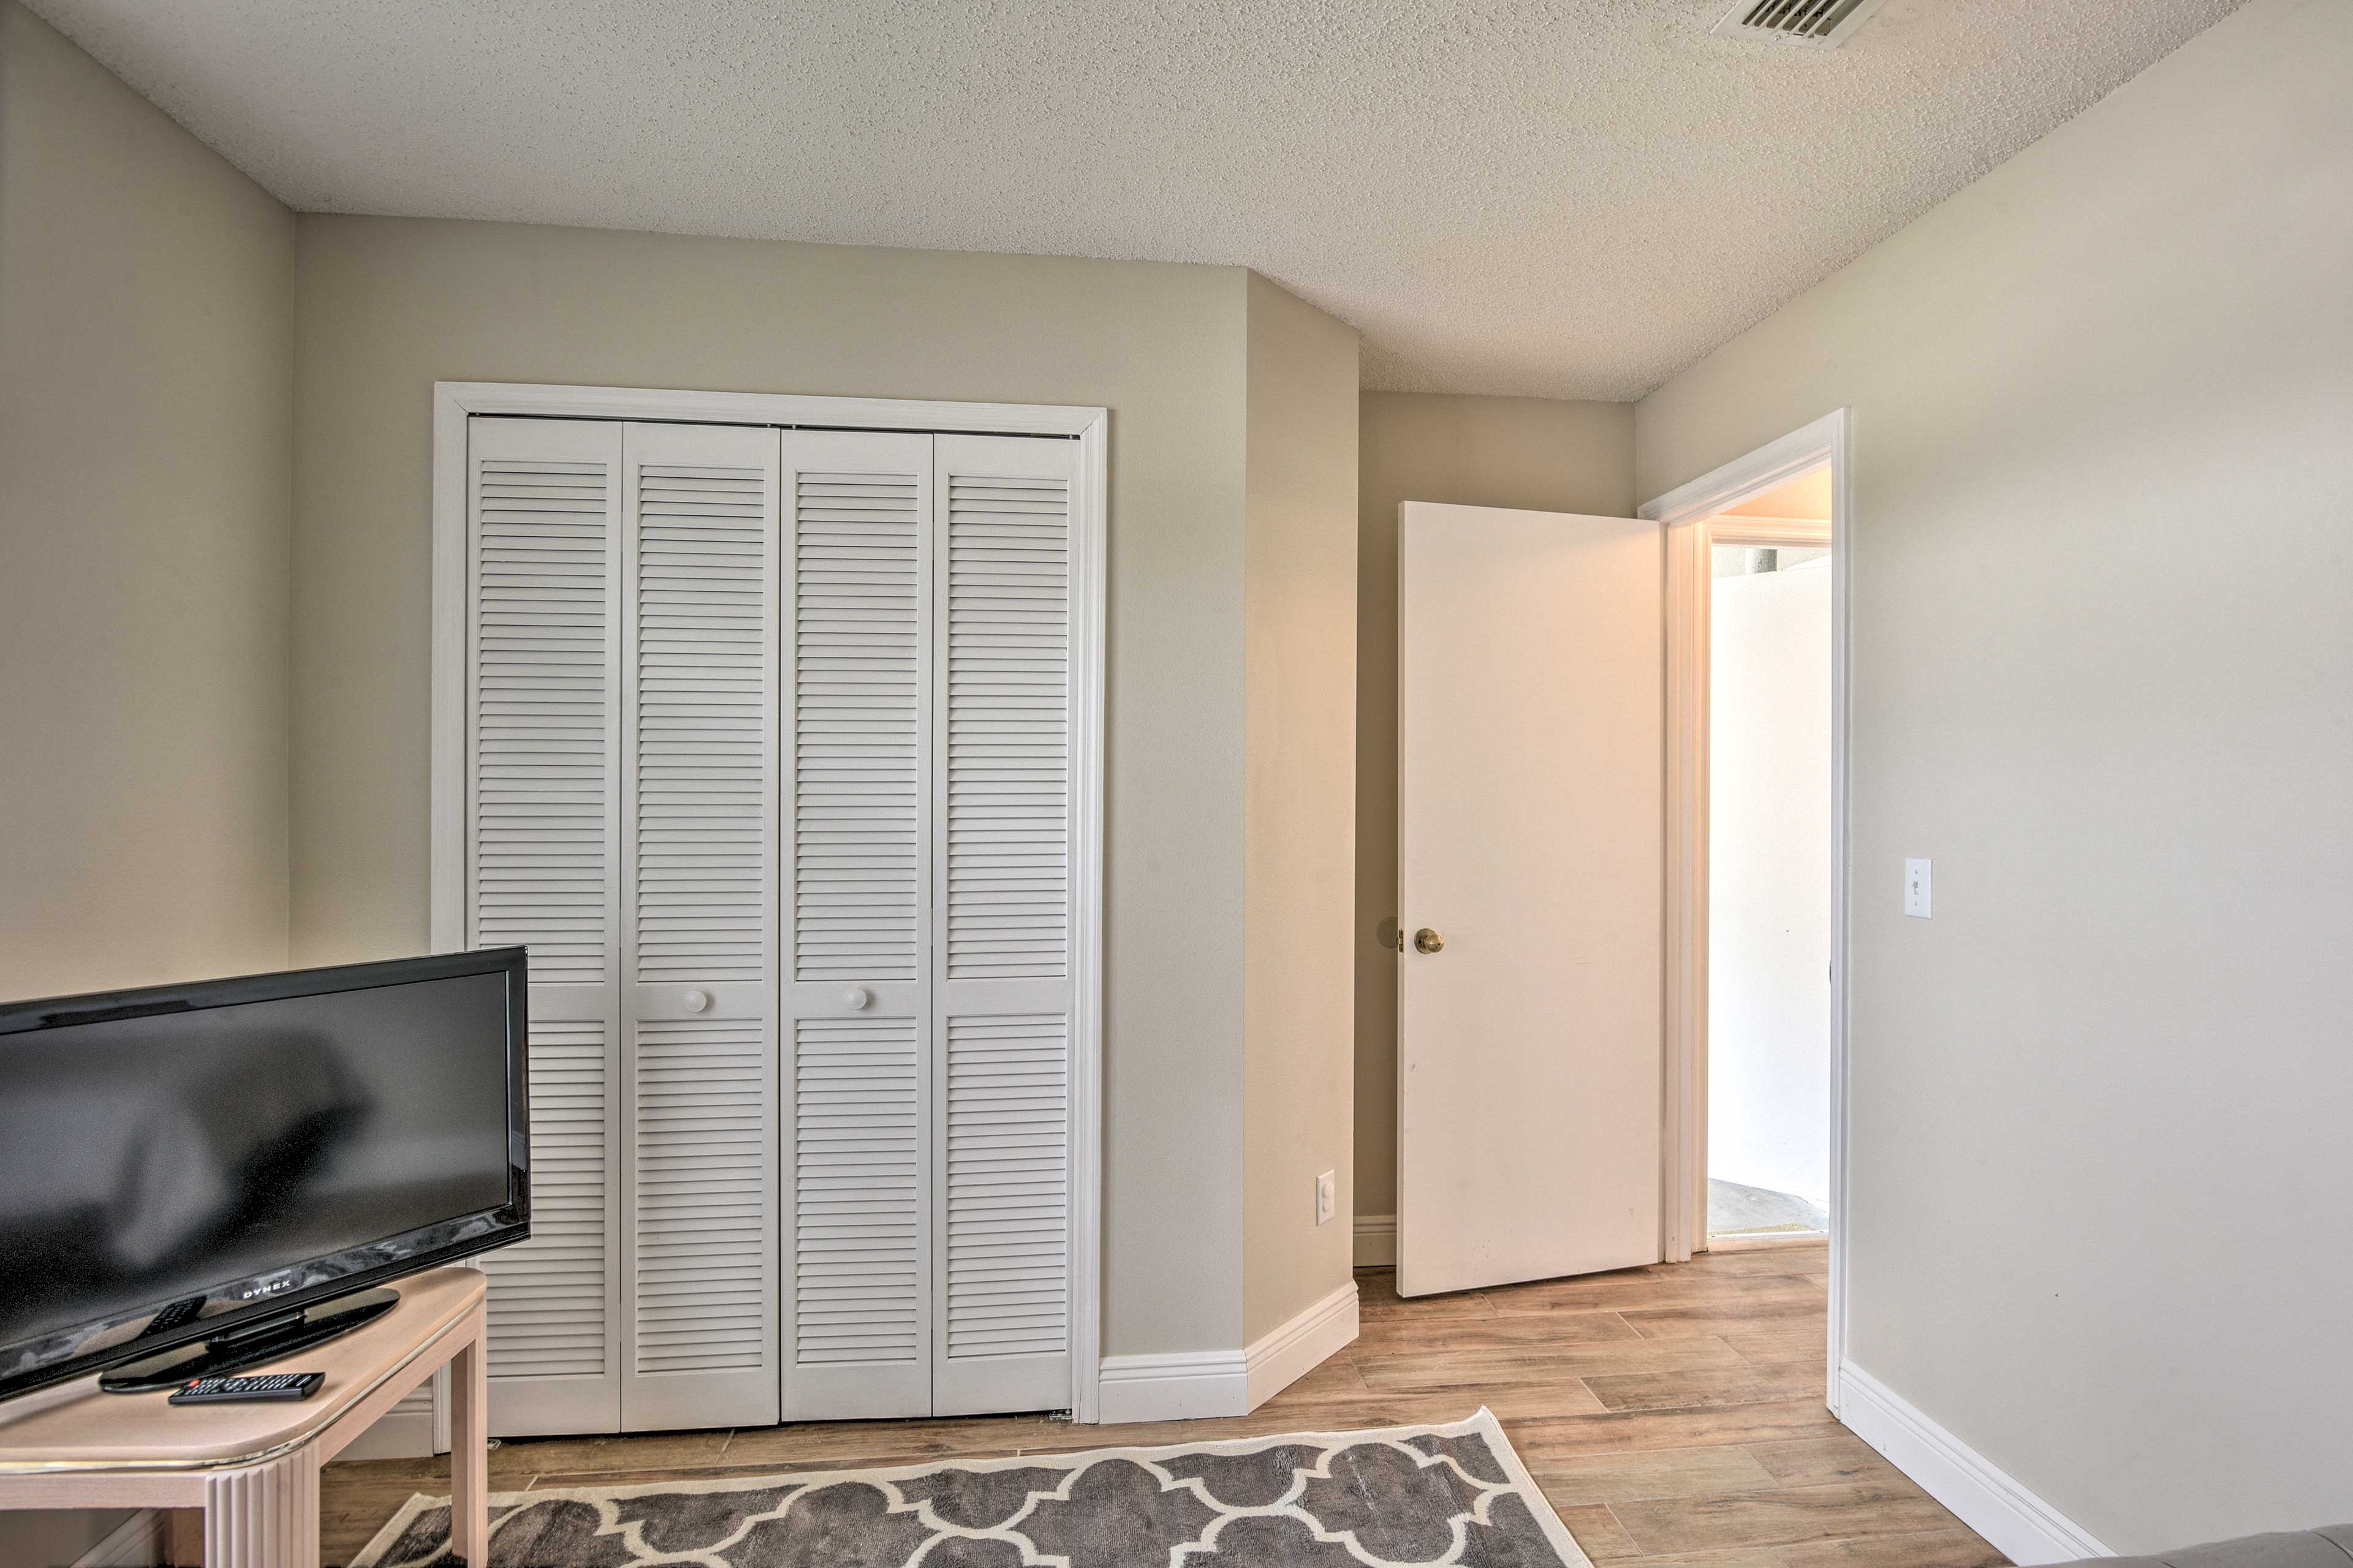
(856, 996)
(697, 1001)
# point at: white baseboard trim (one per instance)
(1191, 1386)
(1983, 1496)
(1376, 1241)
(138, 1541)
(1181, 1387)
(400, 1433)
(1300, 1346)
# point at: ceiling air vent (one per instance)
(1819, 24)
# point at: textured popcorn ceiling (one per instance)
(1572, 199)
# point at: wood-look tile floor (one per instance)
(1673, 1415)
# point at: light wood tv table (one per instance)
(247, 1475)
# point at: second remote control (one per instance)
(244, 1390)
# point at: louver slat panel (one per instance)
(1001, 923)
(541, 703)
(702, 1210)
(702, 723)
(700, 1269)
(543, 710)
(859, 1313)
(860, 1341)
(1008, 728)
(547, 1304)
(856, 542)
(1007, 1186)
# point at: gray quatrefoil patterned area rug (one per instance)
(1406, 1495)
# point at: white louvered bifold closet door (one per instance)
(858, 1297)
(770, 767)
(699, 1266)
(1002, 814)
(542, 807)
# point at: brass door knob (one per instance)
(1428, 940)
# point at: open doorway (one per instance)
(1789, 497)
(1767, 774)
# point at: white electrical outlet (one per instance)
(1915, 888)
(1327, 1196)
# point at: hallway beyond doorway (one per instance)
(1734, 1210)
(1768, 786)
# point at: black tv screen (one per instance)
(175, 1161)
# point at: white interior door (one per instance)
(1530, 798)
(1001, 922)
(698, 1260)
(544, 605)
(931, 810)
(857, 1302)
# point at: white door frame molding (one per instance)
(1686, 511)
(454, 402)
(1690, 621)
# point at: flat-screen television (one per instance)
(189, 1168)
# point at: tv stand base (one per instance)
(253, 1346)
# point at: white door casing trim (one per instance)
(1684, 511)
(1980, 1493)
(1690, 632)
(455, 402)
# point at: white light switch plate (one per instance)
(1915, 888)
(1327, 1196)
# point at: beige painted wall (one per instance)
(146, 382)
(1528, 452)
(1298, 822)
(385, 307)
(144, 464)
(2103, 668)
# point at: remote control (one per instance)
(244, 1390)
